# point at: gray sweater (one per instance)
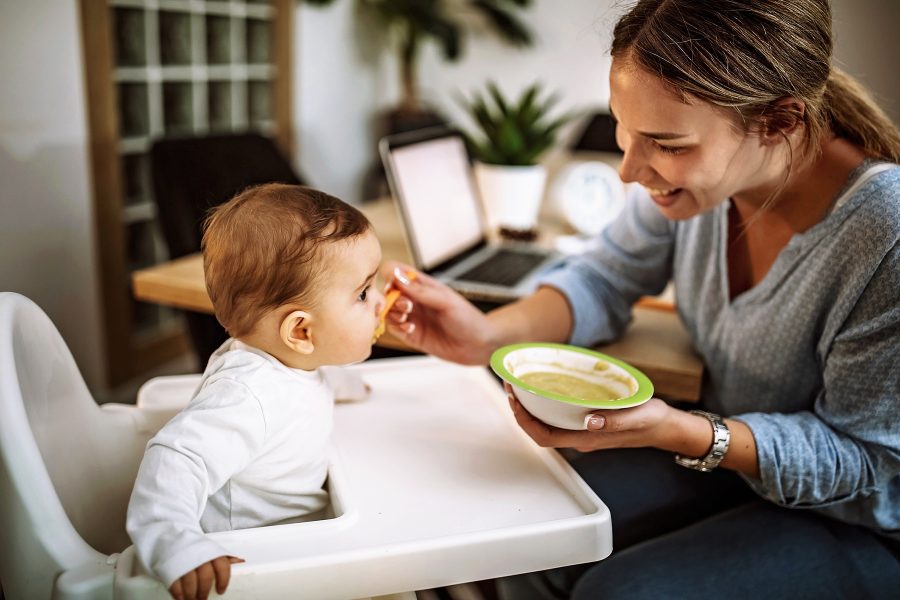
(809, 358)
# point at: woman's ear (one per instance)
(783, 118)
(295, 332)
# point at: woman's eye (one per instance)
(669, 149)
(364, 294)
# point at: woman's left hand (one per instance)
(644, 425)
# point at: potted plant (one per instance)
(513, 135)
(405, 27)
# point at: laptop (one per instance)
(432, 182)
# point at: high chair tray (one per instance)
(432, 484)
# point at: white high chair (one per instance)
(432, 484)
(67, 464)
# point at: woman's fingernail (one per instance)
(594, 422)
(409, 328)
(400, 276)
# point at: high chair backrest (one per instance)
(67, 465)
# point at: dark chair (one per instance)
(193, 174)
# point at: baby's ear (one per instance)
(295, 332)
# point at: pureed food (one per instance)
(601, 382)
(569, 385)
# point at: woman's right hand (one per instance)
(431, 317)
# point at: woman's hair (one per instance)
(747, 55)
(264, 248)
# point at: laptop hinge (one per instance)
(458, 258)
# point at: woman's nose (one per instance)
(634, 166)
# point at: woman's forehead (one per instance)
(643, 101)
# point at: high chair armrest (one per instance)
(171, 392)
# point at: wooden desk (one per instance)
(655, 343)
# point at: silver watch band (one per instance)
(721, 439)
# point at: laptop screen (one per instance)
(437, 193)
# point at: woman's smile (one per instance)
(664, 196)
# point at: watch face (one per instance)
(591, 196)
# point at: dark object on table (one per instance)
(193, 174)
(599, 135)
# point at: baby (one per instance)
(290, 271)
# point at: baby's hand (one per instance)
(195, 585)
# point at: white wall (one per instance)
(340, 83)
(867, 45)
(46, 228)
(334, 93)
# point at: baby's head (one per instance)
(290, 270)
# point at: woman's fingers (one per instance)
(543, 434)
(401, 310)
(421, 288)
(548, 436)
(637, 419)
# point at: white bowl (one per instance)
(510, 363)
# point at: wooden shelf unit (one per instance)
(157, 68)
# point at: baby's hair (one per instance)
(263, 249)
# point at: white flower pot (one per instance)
(511, 195)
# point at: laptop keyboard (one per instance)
(504, 267)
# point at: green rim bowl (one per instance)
(568, 412)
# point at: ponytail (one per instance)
(851, 114)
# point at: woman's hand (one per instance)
(431, 317)
(650, 424)
(196, 584)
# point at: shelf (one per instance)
(156, 74)
(137, 213)
(161, 68)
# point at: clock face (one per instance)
(591, 195)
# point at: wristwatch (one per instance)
(721, 439)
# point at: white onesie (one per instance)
(250, 449)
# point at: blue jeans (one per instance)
(679, 533)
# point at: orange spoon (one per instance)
(389, 299)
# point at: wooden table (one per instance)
(655, 343)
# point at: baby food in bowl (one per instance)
(561, 384)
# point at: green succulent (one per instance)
(512, 133)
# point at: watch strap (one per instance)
(721, 440)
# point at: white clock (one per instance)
(590, 195)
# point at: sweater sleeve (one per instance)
(847, 448)
(633, 258)
(190, 459)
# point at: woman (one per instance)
(769, 195)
